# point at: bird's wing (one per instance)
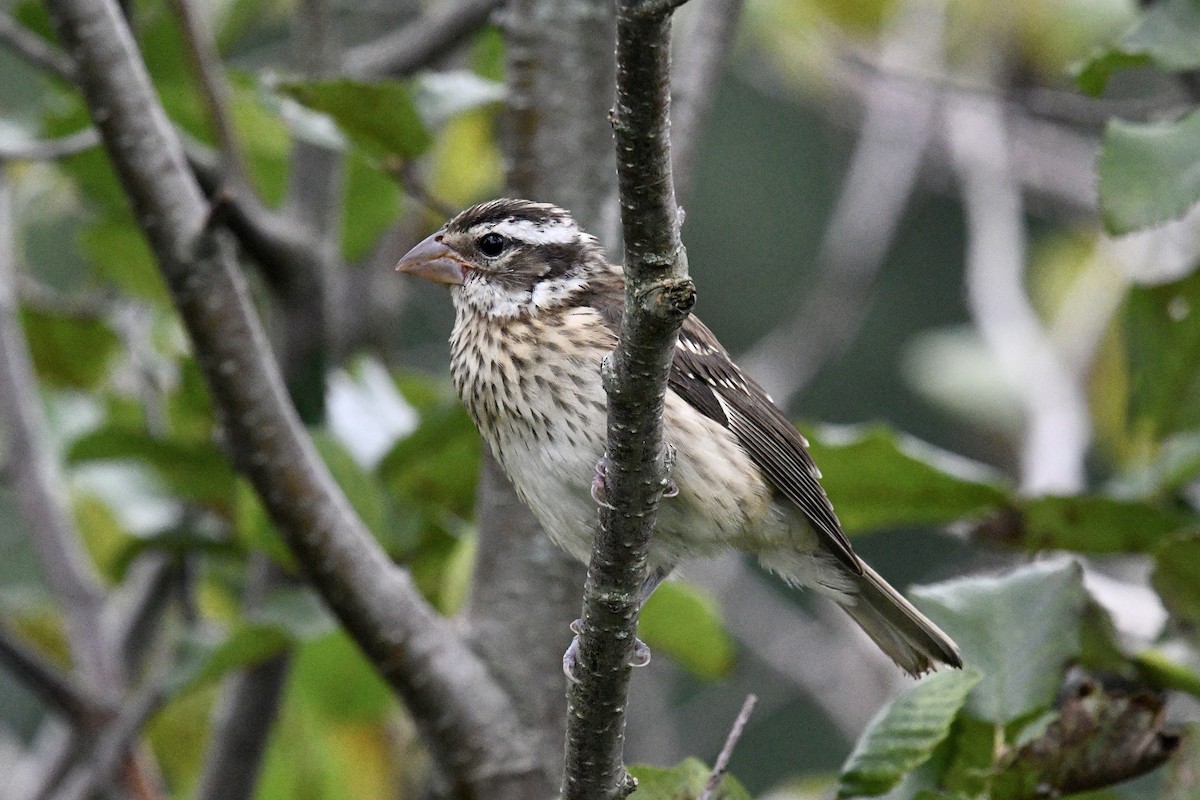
(703, 374)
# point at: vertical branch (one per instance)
(65, 567)
(468, 720)
(658, 297)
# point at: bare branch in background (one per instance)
(658, 297)
(206, 63)
(466, 718)
(34, 49)
(65, 566)
(708, 30)
(883, 172)
(246, 710)
(721, 766)
(420, 42)
(50, 149)
(44, 679)
(1057, 424)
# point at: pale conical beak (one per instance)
(435, 261)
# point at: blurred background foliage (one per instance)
(924, 421)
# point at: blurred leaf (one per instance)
(1093, 524)
(1149, 172)
(195, 470)
(1176, 464)
(371, 203)
(1163, 672)
(255, 530)
(102, 535)
(119, 252)
(684, 781)
(442, 95)
(379, 117)
(1176, 577)
(682, 621)
(201, 662)
(1167, 35)
(1183, 776)
(179, 733)
(332, 677)
(905, 732)
(176, 542)
(436, 466)
(881, 479)
(456, 577)
(72, 352)
(361, 489)
(1020, 629)
(297, 610)
(263, 137)
(1098, 738)
(1162, 333)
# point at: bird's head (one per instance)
(509, 257)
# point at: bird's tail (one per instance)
(900, 630)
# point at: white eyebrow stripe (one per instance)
(522, 230)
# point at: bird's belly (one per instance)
(722, 501)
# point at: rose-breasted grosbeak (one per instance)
(537, 309)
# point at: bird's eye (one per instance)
(492, 244)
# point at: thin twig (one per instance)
(34, 49)
(420, 42)
(44, 679)
(50, 149)
(201, 51)
(658, 297)
(735, 733)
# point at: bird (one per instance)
(538, 307)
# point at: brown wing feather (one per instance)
(703, 374)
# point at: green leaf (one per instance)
(1167, 35)
(684, 781)
(195, 470)
(201, 662)
(681, 621)
(371, 204)
(1176, 577)
(70, 352)
(119, 252)
(1094, 524)
(380, 117)
(334, 678)
(1019, 629)
(255, 530)
(878, 478)
(1149, 172)
(361, 489)
(1162, 336)
(905, 732)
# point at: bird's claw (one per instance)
(670, 488)
(600, 484)
(639, 658)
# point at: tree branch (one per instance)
(420, 42)
(658, 297)
(34, 49)
(64, 564)
(44, 679)
(1058, 426)
(699, 62)
(467, 720)
(896, 128)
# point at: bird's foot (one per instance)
(639, 658)
(600, 483)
